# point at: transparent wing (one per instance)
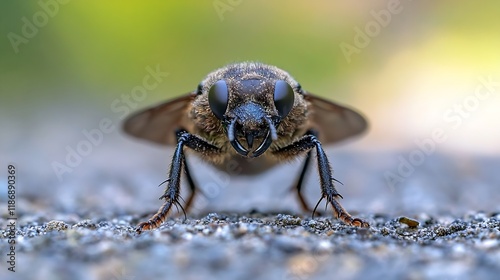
(159, 123)
(334, 122)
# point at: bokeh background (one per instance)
(64, 65)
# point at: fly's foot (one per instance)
(156, 220)
(355, 222)
(345, 217)
(149, 225)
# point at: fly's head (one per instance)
(251, 101)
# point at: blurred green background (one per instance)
(88, 53)
(63, 63)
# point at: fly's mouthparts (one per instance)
(264, 145)
(231, 135)
(250, 137)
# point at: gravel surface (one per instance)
(257, 246)
(82, 227)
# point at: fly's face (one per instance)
(251, 110)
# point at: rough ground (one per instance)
(257, 246)
(82, 226)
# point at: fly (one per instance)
(247, 111)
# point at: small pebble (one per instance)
(409, 222)
(56, 225)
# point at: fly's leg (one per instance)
(328, 191)
(172, 191)
(300, 180)
(192, 186)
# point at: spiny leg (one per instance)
(328, 191)
(172, 190)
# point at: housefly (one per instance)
(253, 114)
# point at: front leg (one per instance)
(172, 190)
(328, 191)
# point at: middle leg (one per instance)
(192, 185)
(300, 181)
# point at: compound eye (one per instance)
(283, 98)
(218, 96)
